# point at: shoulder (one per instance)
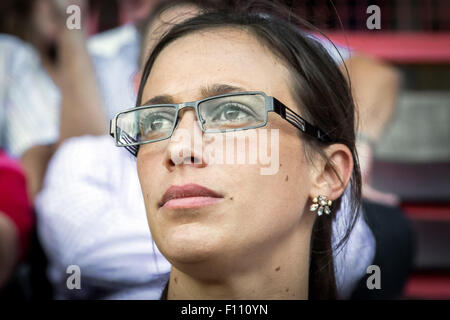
(92, 157)
(88, 149)
(8, 42)
(16, 55)
(111, 42)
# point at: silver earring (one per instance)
(321, 204)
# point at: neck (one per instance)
(275, 272)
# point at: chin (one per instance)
(191, 243)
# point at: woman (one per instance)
(229, 231)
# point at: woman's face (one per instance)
(253, 212)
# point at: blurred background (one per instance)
(412, 158)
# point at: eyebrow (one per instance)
(208, 91)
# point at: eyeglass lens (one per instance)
(216, 114)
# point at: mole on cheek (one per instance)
(287, 178)
(231, 198)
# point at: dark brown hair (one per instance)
(318, 86)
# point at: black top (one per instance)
(164, 293)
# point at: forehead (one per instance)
(227, 56)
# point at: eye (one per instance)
(233, 112)
(154, 122)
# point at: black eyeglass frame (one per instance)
(272, 105)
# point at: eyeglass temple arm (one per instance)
(133, 149)
(112, 127)
(297, 121)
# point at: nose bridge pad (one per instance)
(185, 107)
(187, 132)
(186, 144)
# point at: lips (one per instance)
(188, 195)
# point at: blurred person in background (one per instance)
(62, 97)
(40, 106)
(16, 217)
(18, 66)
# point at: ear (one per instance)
(136, 81)
(328, 182)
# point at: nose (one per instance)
(185, 146)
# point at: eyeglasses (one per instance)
(217, 114)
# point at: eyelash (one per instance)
(243, 108)
(150, 116)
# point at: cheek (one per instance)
(293, 181)
(146, 168)
(278, 199)
(288, 182)
(148, 178)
